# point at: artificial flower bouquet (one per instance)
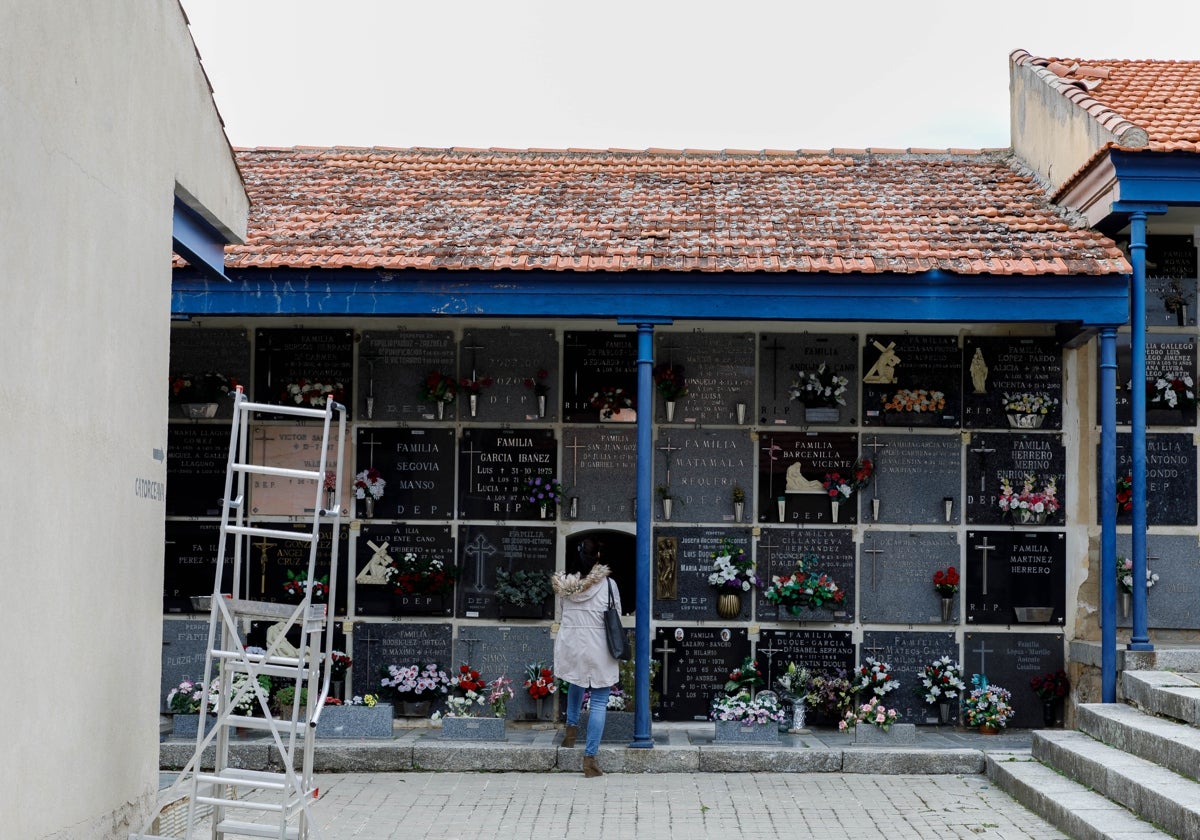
(1029, 504)
(1125, 575)
(670, 383)
(208, 387)
(543, 491)
(187, 697)
(339, 664)
(293, 587)
(438, 387)
(732, 568)
(840, 488)
(369, 481)
(821, 388)
(794, 681)
(988, 705)
(1027, 403)
(940, 681)
(312, 394)
(747, 677)
(946, 581)
(873, 712)
(415, 683)
(1052, 686)
(740, 708)
(1171, 390)
(538, 383)
(610, 401)
(539, 680)
(874, 676)
(804, 588)
(917, 401)
(414, 574)
(474, 385)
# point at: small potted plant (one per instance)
(541, 388)
(1051, 689)
(739, 502)
(732, 574)
(522, 593)
(368, 488)
(988, 707)
(184, 702)
(473, 386)
(543, 492)
(822, 392)
(806, 588)
(945, 584)
(415, 687)
(740, 718)
(1029, 506)
(671, 386)
(940, 683)
(878, 718)
(438, 388)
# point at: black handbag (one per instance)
(618, 642)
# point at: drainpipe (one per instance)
(1108, 514)
(1139, 639)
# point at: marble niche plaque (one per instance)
(994, 456)
(1170, 478)
(418, 466)
(393, 365)
(600, 471)
(1016, 577)
(285, 357)
(1174, 600)
(1167, 356)
(377, 646)
(377, 544)
(917, 478)
(191, 552)
(196, 351)
(800, 498)
(694, 665)
(197, 457)
(897, 576)
(510, 358)
(780, 548)
(820, 651)
(719, 371)
(701, 468)
(494, 468)
(184, 643)
(271, 560)
(682, 563)
(593, 362)
(507, 651)
(785, 357)
(485, 548)
(995, 368)
(296, 447)
(911, 380)
(1011, 660)
(908, 654)
(1170, 280)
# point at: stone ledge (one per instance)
(894, 762)
(483, 756)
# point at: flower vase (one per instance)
(1025, 421)
(875, 509)
(670, 411)
(833, 511)
(729, 605)
(1181, 315)
(200, 411)
(988, 729)
(370, 505)
(943, 712)
(782, 503)
(330, 497)
(370, 408)
(337, 688)
(666, 503)
(740, 410)
(947, 609)
(575, 507)
(541, 405)
(441, 410)
(799, 714)
(948, 505)
(1126, 603)
(474, 404)
(738, 507)
(543, 510)
(1049, 712)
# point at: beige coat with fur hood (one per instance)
(581, 650)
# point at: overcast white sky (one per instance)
(706, 74)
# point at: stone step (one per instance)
(1064, 803)
(1173, 745)
(1165, 693)
(1150, 791)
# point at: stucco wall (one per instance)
(104, 112)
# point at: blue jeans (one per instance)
(597, 712)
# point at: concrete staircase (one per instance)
(1130, 769)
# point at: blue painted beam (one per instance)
(931, 297)
(198, 242)
(1162, 177)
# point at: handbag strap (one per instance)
(612, 604)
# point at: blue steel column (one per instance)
(1140, 639)
(1108, 514)
(645, 494)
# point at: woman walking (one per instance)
(581, 654)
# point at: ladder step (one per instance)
(298, 536)
(263, 725)
(276, 666)
(270, 609)
(291, 410)
(236, 777)
(255, 829)
(284, 472)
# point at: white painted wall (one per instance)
(104, 115)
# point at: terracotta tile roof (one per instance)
(1145, 104)
(837, 212)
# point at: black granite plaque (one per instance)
(701, 467)
(184, 643)
(392, 367)
(286, 358)
(897, 575)
(1170, 479)
(917, 478)
(784, 358)
(495, 466)
(907, 654)
(190, 558)
(1172, 602)
(197, 456)
(820, 651)
(485, 548)
(1011, 660)
(695, 663)
(511, 358)
(911, 380)
(1169, 359)
(507, 651)
(377, 543)
(377, 646)
(993, 457)
(801, 498)
(1016, 577)
(418, 466)
(196, 351)
(780, 548)
(592, 363)
(692, 549)
(600, 471)
(272, 559)
(998, 371)
(719, 371)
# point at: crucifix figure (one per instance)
(984, 548)
(574, 446)
(873, 552)
(480, 550)
(982, 650)
(375, 572)
(666, 650)
(262, 545)
(984, 451)
(370, 387)
(883, 372)
(773, 454)
(770, 652)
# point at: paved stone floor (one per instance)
(671, 806)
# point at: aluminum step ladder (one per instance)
(246, 803)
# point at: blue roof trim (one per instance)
(1158, 177)
(929, 297)
(198, 242)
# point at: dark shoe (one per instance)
(569, 736)
(590, 767)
